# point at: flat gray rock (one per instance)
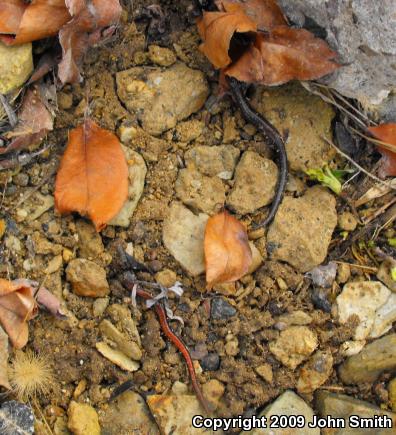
(254, 183)
(363, 33)
(200, 192)
(301, 231)
(162, 97)
(213, 161)
(288, 404)
(367, 365)
(342, 406)
(183, 235)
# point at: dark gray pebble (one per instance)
(221, 309)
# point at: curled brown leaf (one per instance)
(227, 251)
(386, 133)
(282, 55)
(265, 13)
(17, 306)
(82, 31)
(30, 22)
(216, 30)
(34, 122)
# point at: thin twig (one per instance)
(379, 229)
(334, 103)
(375, 141)
(12, 118)
(357, 164)
(379, 211)
(359, 266)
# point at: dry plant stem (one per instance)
(379, 211)
(358, 166)
(12, 118)
(359, 266)
(159, 309)
(375, 141)
(266, 128)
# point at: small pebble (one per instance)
(221, 309)
(232, 347)
(21, 179)
(343, 273)
(65, 101)
(265, 371)
(179, 388)
(347, 221)
(392, 394)
(319, 297)
(166, 277)
(213, 391)
(210, 362)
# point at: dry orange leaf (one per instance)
(227, 252)
(29, 22)
(17, 306)
(386, 133)
(11, 12)
(265, 13)
(93, 175)
(282, 55)
(79, 22)
(216, 30)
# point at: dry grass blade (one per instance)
(358, 166)
(329, 98)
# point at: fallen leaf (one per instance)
(216, 30)
(265, 13)
(11, 12)
(34, 121)
(30, 22)
(282, 55)
(227, 251)
(79, 23)
(93, 175)
(17, 306)
(4, 381)
(386, 133)
(82, 31)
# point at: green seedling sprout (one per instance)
(326, 177)
(392, 242)
(393, 273)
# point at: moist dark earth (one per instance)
(227, 333)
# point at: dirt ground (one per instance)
(70, 345)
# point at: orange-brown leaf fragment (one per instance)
(93, 175)
(265, 13)
(17, 306)
(216, 30)
(282, 55)
(386, 133)
(37, 20)
(227, 251)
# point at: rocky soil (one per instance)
(282, 340)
